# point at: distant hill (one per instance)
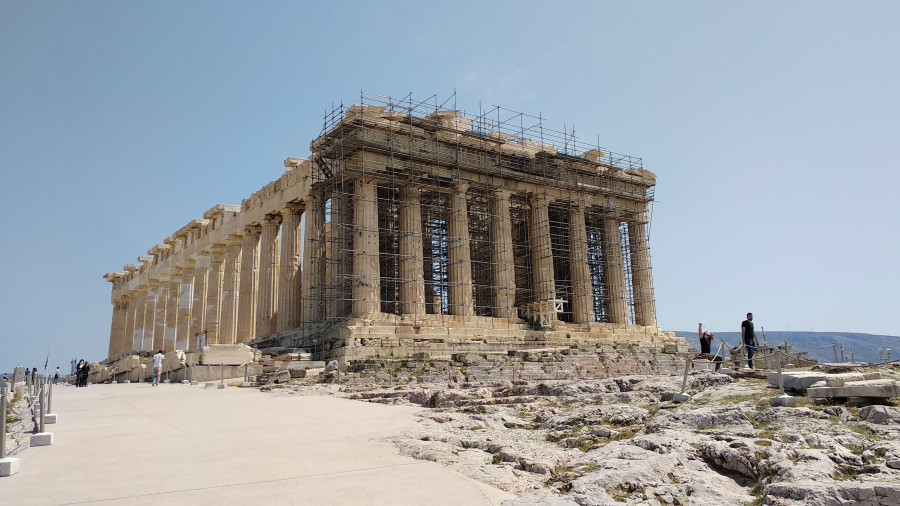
(817, 344)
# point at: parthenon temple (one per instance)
(413, 227)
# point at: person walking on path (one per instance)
(706, 339)
(56, 377)
(157, 366)
(748, 337)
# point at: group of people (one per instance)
(748, 340)
(82, 370)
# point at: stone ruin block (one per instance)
(126, 364)
(228, 354)
(174, 360)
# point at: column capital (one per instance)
(462, 187)
(501, 193)
(253, 229)
(539, 199)
(272, 220)
(292, 208)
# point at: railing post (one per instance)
(783, 399)
(43, 405)
(834, 345)
(2, 425)
(681, 397)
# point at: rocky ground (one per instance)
(623, 440)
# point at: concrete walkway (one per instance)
(174, 444)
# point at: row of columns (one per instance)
(255, 283)
(244, 287)
(366, 274)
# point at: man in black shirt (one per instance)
(706, 339)
(748, 336)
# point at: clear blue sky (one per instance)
(772, 126)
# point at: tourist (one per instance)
(706, 339)
(157, 366)
(748, 337)
(56, 377)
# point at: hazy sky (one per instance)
(772, 127)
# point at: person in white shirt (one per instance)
(157, 366)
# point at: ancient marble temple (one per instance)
(411, 229)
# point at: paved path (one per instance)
(174, 444)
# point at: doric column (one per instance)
(249, 284)
(150, 315)
(460, 264)
(289, 284)
(214, 292)
(614, 273)
(412, 277)
(582, 299)
(541, 250)
(313, 251)
(338, 251)
(128, 326)
(198, 313)
(502, 260)
(366, 269)
(266, 316)
(159, 320)
(116, 330)
(641, 279)
(174, 297)
(185, 306)
(140, 305)
(231, 285)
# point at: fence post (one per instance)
(681, 397)
(834, 345)
(842, 354)
(8, 465)
(783, 399)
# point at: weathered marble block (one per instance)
(227, 354)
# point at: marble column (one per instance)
(267, 305)
(289, 282)
(214, 292)
(459, 255)
(579, 271)
(116, 328)
(541, 251)
(159, 320)
(503, 263)
(412, 277)
(614, 273)
(174, 297)
(185, 306)
(140, 306)
(339, 254)
(366, 268)
(128, 328)
(231, 285)
(641, 279)
(249, 284)
(198, 312)
(313, 253)
(150, 315)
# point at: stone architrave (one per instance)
(198, 312)
(313, 252)
(289, 284)
(614, 273)
(541, 250)
(502, 261)
(214, 292)
(460, 265)
(230, 291)
(641, 280)
(267, 304)
(366, 268)
(412, 277)
(249, 283)
(172, 302)
(582, 300)
(185, 306)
